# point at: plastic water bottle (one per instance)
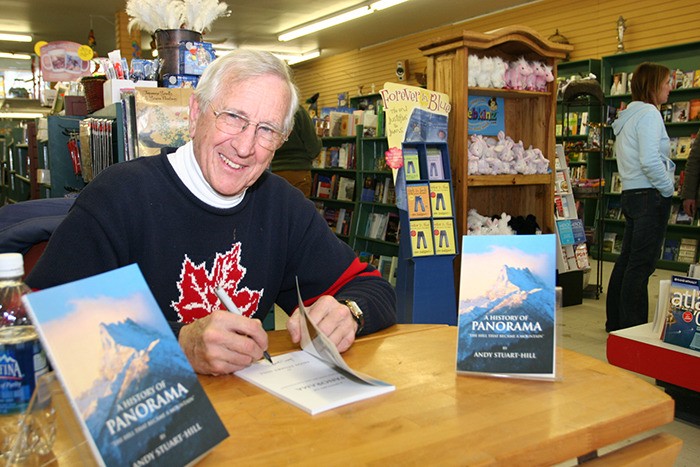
(22, 361)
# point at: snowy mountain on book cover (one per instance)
(127, 376)
(507, 304)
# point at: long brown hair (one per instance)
(647, 81)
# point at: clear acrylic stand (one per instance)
(49, 431)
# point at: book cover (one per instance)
(615, 183)
(680, 111)
(566, 232)
(346, 189)
(161, 118)
(667, 112)
(507, 306)
(444, 237)
(694, 110)
(133, 390)
(411, 165)
(433, 158)
(418, 199)
(682, 324)
(368, 188)
(683, 148)
(486, 115)
(609, 241)
(441, 199)
(392, 228)
(670, 249)
(421, 238)
(316, 378)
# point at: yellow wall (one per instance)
(590, 25)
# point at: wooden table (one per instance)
(438, 417)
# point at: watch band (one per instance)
(356, 313)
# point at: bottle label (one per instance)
(17, 375)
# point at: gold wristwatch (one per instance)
(356, 313)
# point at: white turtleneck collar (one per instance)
(186, 167)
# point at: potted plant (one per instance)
(172, 21)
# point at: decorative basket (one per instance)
(94, 93)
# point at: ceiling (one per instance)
(252, 23)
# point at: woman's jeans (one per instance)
(646, 214)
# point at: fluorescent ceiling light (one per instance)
(15, 37)
(342, 17)
(292, 59)
(15, 56)
(325, 23)
(22, 115)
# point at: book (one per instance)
(682, 217)
(441, 199)
(418, 199)
(614, 210)
(130, 385)
(346, 189)
(315, 378)
(411, 165)
(433, 158)
(392, 228)
(609, 241)
(444, 237)
(670, 249)
(680, 111)
(368, 189)
(421, 235)
(162, 118)
(682, 323)
(667, 112)
(615, 183)
(683, 148)
(507, 305)
(694, 110)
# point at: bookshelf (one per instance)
(377, 227)
(334, 184)
(681, 57)
(530, 116)
(20, 159)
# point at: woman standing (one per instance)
(642, 149)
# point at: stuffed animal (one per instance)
(474, 68)
(548, 77)
(519, 72)
(483, 79)
(537, 75)
(498, 75)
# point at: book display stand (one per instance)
(425, 281)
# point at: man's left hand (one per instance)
(331, 317)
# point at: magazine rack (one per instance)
(425, 284)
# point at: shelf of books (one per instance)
(333, 184)
(682, 116)
(427, 255)
(377, 237)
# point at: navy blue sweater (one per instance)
(141, 212)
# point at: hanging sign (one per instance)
(61, 61)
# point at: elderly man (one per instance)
(209, 215)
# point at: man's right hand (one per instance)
(223, 342)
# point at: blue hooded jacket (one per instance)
(642, 148)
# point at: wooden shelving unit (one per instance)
(530, 116)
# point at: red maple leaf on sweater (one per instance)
(197, 286)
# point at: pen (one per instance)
(230, 306)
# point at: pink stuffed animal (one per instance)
(518, 72)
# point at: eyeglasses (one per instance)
(233, 124)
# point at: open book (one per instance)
(316, 378)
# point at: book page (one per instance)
(303, 380)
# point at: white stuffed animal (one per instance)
(483, 79)
(498, 75)
(474, 68)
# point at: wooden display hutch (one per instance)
(530, 116)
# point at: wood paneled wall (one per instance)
(590, 25)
